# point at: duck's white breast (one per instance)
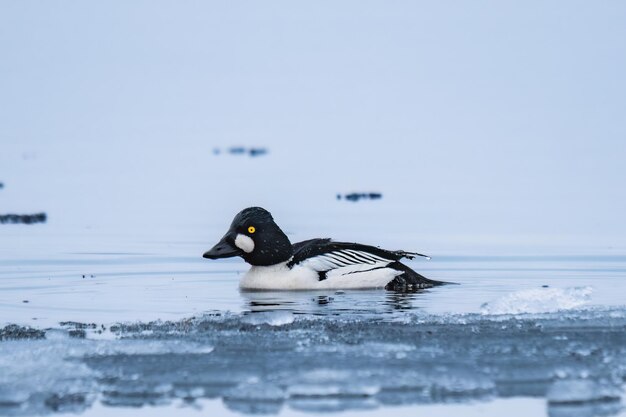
(278, 277)
(281, 277)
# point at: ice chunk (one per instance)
(539, 300)
(578, 391)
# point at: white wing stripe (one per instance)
(371, 255)
(345, 257)
(360, 256)
(332, 261)
(336, 260)
(336, 256)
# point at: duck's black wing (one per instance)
(325, 255)
(352, 252)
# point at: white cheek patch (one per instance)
(245, 243)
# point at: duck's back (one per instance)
(354, 265)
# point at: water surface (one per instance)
(164, 329)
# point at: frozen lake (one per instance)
(155, 326)
(108, 308)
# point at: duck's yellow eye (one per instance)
(251, 229)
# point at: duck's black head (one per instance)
(255, 237)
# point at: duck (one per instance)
(314, 264)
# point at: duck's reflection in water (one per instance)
(330, 302)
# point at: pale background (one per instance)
(490, 121)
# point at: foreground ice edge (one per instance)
(262, 362)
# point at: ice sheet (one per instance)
(263, 362)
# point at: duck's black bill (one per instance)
(223, 249)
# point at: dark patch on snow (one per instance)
(257, 151)
(241, 150)
(354, 197)
(77, 325)
(79, 330)
(15, 332)
(237, 150)
(23, 218)
(77, 334)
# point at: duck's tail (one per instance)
(409, 255)
(410, 280)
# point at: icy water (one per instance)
(162, 330)
(109, 309)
